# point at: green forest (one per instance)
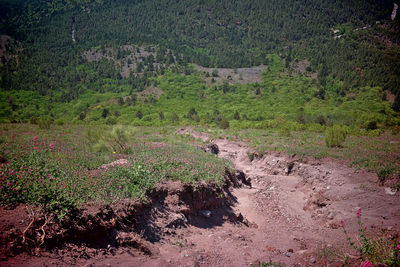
(137, 62)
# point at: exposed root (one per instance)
(31, 213)
(43, 231)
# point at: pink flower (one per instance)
(398, 247)
(51, 145)
(342, 223)
(359, 212)
(367, 264)
(12, 137)
(34, 139)
(127, 146)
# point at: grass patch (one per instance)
(61, 168)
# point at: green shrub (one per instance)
(44, 122)
(119, 136)
(33, 120)
(384, 173)
(335, 136)
(102, 146)
(59, 122)
(111, 120)
(224, 123)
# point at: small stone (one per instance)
(390, 191)
(205, 213)
(288, 254)
(301, 252)
(330, 215)
(313, 260)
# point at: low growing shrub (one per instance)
(44, 122)
(335, 136)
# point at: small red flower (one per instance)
(367, 264)
(359, 212)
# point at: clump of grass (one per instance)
(384, 173)
(335, 136)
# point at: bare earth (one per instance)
(291, 213)
(239, 75)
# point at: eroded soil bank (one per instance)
(272, 208)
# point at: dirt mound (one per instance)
(100, 230)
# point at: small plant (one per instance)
(251, 156)
(335, 136)
(378, 251)
(384, 173)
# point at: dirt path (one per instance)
(291, 213)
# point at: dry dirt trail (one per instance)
(294, 208)
(291, 213)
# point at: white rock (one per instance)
(390, 191)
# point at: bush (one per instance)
(224, 123)
(372, 125)
(111, 120)
(335, 136)
(384, 173)
(44, 122)
(59, 122)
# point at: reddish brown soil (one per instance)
(290, 212)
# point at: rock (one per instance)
(176, 220)
(330, 215)
(390, 191)
(301, 252)
(240, 176)
(205, 213)
(212, 148)
(313, 260)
